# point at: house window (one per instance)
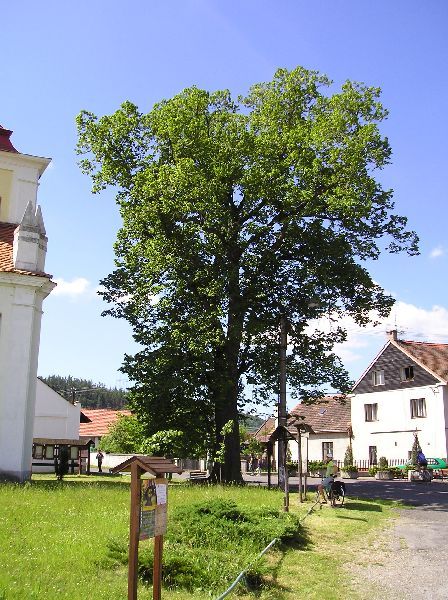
(407, 373)
(49, 452)
(372, 455)
(378, 377)
(327, 448)
(74, 452)
(418, 408)
(371, 412)
(38, 451)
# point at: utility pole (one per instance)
(282, 442)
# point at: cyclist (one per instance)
(330, 472)
(422, 463)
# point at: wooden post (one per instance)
(88, 459)
(269, 447)
(134, 531)
(157, 568)
(286, 476)
(299, 463)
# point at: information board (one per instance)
(153, 508)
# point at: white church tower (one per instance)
(23, 287)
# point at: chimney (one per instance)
(392, 335)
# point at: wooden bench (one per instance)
(199, 476)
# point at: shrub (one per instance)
(383, 464)
(292, 466)
(208, 543)
(348, 460)
(316, 465)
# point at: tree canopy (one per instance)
(85, 391)
(236, 210)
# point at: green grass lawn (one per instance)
(69, 541)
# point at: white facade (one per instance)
(55, 417)
(392, 431)
(312, 446)
(23, 287)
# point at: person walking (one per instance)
(99, 458)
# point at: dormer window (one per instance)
(378, 377)
(407, 373)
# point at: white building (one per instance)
(328, 430)
(23, 287)
(54, 416)
(329, 420)
(404, 390)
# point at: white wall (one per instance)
(392, 433)
(340, 443)
(54, 416)
(21, 298)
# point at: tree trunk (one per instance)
(226, 407)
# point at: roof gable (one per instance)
(433, 357)
(428, 361)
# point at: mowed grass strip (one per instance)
(69, 540)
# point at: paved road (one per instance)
(434, 494)
(407, 561)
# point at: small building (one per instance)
(46, 452)
(328, 429)
(329, 420)
(100, 420)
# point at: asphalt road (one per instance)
(408, 560)
(431, 495)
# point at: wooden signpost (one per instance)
(148, 518)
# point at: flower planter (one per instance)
(319, 474)
(384, 475)
(349, 474)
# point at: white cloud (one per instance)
(412, 322)
(76, 288)
(437, 252)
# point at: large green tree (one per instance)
(234, 211)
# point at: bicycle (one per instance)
(335, 495)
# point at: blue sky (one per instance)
(59, 58)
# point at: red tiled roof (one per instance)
(264, 431)
(101, 420)
(6, 245)
(432, 356)
(327, 414)
(5, 142)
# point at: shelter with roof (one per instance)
(403, 390)
(24, 285)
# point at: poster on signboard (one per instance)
(153, 508)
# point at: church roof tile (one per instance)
(6, 246)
